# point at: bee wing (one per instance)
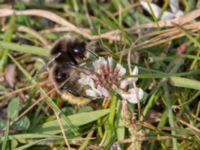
(70, 83)
(79, 69)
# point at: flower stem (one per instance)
(112, 111)
(110, 130)
(99, 128)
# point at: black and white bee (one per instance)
(68, 54)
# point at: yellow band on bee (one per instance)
(74, 99)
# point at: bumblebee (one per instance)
(68, 54)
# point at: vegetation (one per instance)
(164, 48)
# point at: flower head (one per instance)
(109, 77)
(174, 12)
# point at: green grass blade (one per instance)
(185, 83)
(24, 147)
(171, 116)
(188, 35)
(26, 136)
(7, 38)
(24, 48)
(165, 75)
(6, 136)
(164, 8)
(153, 14)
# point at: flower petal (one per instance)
(174, 5)
(104, 92)
(179, 14)
(124, 83)
(85, 79)
(167, 16)
(110, 62)
(156, 9)
(121, 70)
(98, 64)
(131, 95)
(91, 93)
(135, 71)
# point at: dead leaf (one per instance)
(10, 74)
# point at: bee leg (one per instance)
(106, 102)
(46, 65)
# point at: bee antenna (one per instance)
(53, 59)
(93, 53)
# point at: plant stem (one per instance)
(112, 111)
(171, 116)
(5, 136)
(110, 130)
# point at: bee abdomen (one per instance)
(74, 99)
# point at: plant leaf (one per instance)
(184, 82)
(22, 124)
(52, 127)
(13, 108)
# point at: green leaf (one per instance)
(23, 137)
(184, 82)
(13, 108)
(22, 124)
(2, 88)
(120, 130)
(52, 127)
(86, 109)
(2, 124)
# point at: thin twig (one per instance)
(59, 20)
(44, 42)
(61, 29)
(20, 90)
(189, 126)
(113, 35)
(127, 9)
(188, 18)
(62, 130)
(134, 84)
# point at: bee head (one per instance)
(69, 50)
(77, 49)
